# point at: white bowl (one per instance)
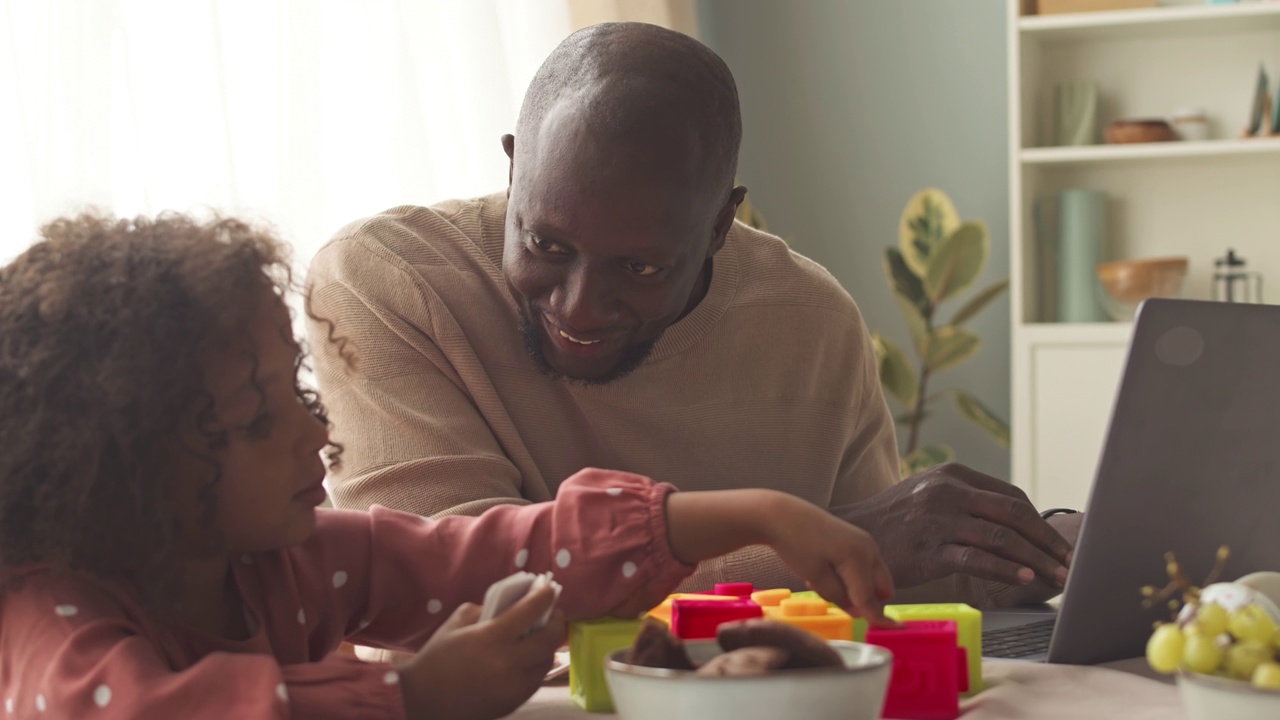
(855, 692)
(1207, 697)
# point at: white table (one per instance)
(1014, 690)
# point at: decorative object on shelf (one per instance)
(937, 259)
(1129, 282)
(1076, 113)
(1140, 130)
(1071, 228)
(1261, 114)
(1232, 282)
(1275, 111)
(1054, 7)
(1190, 124)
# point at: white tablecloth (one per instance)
(1014, 691)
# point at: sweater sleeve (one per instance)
(413, 438)
(69, 651)
(388, 579)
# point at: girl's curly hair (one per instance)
(104, 324)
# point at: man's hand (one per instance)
(952, 519)
(1068, 526)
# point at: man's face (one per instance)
(605, 248)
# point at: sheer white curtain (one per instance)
(303, 113)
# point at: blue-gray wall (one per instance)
(850, 106)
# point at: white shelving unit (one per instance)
(1180, 198)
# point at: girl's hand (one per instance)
(838, 560)
(470, 670)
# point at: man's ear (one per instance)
(724, 220)
(509, 147)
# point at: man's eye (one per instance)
(642, 269)
(548, 246)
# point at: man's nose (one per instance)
(586, 301)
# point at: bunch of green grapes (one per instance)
(1243, 644)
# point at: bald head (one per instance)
(638, 89)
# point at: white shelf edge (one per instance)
(1046, 24)
(1148, 151)
(1103, 333)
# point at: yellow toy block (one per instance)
(815, 615)
(590, 642)
(663, 611)
(771, 601)
(968, 630)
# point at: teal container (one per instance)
(1082, 227)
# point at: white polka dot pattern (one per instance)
(522, 558)
(562, 558)
(339, 579)
(8, 705)
(628, 569)
(102, 696)
(282, 692)
(434, 606)
(615, 492)
(302, 617)
(40, 703)
(391, 678)
(66, 610)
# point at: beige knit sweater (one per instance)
(769, 382)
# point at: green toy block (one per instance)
(859, 625)
(968, 630)
(590, 642)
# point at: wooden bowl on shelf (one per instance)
(1129, 282)
(1140, 131)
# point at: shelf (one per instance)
(1080, 154)
(1152, 22)
(1113, 333)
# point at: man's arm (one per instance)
(412, 437)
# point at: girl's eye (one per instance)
(642, 269)
(260, 427)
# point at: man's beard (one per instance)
(632, 359)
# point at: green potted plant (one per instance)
(937, 259)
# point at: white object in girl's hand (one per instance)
(508, 591)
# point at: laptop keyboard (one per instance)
(1018, 641)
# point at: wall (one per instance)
(849, 108)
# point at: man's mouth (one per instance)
(573, 339)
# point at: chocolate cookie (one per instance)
(805, 649)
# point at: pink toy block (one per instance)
(930, 669)
(697, 619)
(734, 589)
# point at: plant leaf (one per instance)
(897, 376)
(926, 457)
(979, 301)
(928, 218)
(916, 323)
(972, 408)
(957, 262)
(904, 280)
(950, 346)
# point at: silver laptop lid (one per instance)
(1191, 461)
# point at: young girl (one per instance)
(160, 548)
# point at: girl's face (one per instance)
(272, 471)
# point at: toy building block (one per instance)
(698, 619)
(815, 615)
(837, 625)
(734, 589)
(968, 630)
(663, 611)
(929, 669)
(590, 642)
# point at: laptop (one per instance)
(1191, 461)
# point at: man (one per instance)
(607, 311)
